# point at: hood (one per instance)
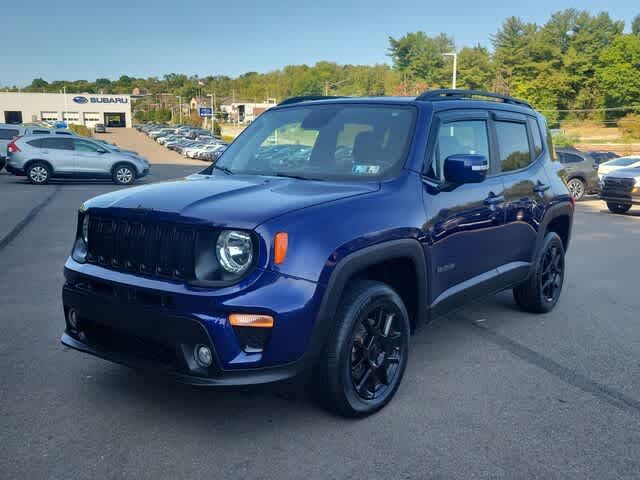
(239, 201)
(625, 173)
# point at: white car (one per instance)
(617, 164)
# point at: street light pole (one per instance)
(455, 67)
(212, 110)
(180, 107)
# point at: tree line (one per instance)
(576, 65)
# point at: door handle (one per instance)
(541, 187)
(494, 199)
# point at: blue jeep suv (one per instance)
(326, 233)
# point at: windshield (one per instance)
(338, 141)
(623, 161)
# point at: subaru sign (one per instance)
(206, 112)
(81, 99)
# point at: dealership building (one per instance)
(82, 109)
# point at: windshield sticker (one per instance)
(366, 169)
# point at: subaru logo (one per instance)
(80, 99)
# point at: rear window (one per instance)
(8, 133)
(38, 143)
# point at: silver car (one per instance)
(41, 157)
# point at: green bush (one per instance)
(80, 130)
(629, 125)
(560, 140)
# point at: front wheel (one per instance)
(618, 207)
(541, 291)
(366, 355)
(124, 175)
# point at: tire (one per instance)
(361, 367)
(618, 207)
(577, 188)
(124, 174)
(38, 173)
(541, 291)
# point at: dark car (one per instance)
(582, 171)
(601, 157)
(326, 233)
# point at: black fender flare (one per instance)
(349, 267)
(560, 209)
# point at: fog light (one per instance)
(72, 316)
(204, 357)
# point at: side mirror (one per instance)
(465, 168)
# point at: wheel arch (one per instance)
(39, 160)
(124, 162)
(558, 219)
(371, 263)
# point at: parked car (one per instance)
(621, 189)
(8, 132)
(601, 157)
(256, 271)
(100, 128)
(617, 164)
(42, 157)
(581, 170)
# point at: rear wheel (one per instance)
(576, 188)
(366, 355)
(618, 207)
(38, 173)
(124, 174)
(541, 291)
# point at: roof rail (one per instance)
(451, 94)
(307, 98)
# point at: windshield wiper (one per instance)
(224, 169)
(288, 175)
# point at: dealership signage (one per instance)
(206, 112)
(80, 99)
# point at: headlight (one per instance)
(234, 250)
(638, 182)
(85, 229)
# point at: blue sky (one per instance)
(70, 39)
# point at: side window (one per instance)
(537, 137)
(458, 137)
(84, 146)
(513, 145)
(39, 143)
(572, 158)
(41, 132)
(60, 143)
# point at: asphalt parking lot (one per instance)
(489, 392)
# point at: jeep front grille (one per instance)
(154, 249)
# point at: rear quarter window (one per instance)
(38, 143)
(8, 133)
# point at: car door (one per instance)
(59, 152)
(464, 222)
(91, 158)
(521, 157)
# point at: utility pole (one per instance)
(212, 96)
(180, 107)
(455, 67)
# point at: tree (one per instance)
(475, 68)
(618, 73)
(635, 26)
(420, 56)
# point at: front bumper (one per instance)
(160, 330)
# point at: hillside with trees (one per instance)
(576, 65)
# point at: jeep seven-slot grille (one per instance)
(618, 187)
(154, 249)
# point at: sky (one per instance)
(73, 40)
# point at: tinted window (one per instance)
(60, 143)
(468, 136)
(63, 133)
(537, 137)
(513, 145)
(84, 146)
(41, 132)
(8, 133)
(39, 143)
(570, 158)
